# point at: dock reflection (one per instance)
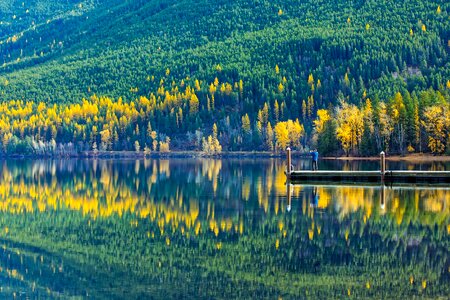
(392, 199)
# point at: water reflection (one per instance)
(204, 228)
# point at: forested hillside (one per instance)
(352, 77)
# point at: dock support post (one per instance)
(288, 162)
(382, 164)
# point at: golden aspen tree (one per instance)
(106, 139)
(346, 80)
(277, 69)
(296, 131)
(193, 105)
(280, 88)
(269, 137)
(436, 126)
(304, 109)
(259, 129)
(212, 89)
(368, 115)
(350, 127)
(281, 135)
(136, 130)
(197, 85)
(263, 116)
(276, 110)
(241, 89)
(228, 89)
(246, 124)
(310, 79)
(322, 118)
(310, 105)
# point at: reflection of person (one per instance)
(314, 158)
(314, 198)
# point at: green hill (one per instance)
(118, 44)
(60, 53)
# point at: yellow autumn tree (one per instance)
(269, 137)
(436, 124)
(193, 104)
(350, 126)
(281, 135)
(106, 139)
(280, 88)
(288, 133)
(322, 117)
(246, 124)
(296, 131)
(310, 79)
(211, 144)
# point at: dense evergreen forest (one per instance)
(348, 77)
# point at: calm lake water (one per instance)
(204, 228)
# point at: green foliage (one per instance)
(306, 57)
(327, 143)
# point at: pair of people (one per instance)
(314, 158)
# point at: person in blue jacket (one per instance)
(315, 158)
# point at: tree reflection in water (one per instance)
(208, 228)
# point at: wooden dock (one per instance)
(380, 176)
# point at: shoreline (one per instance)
(405, 158)
(234, 154)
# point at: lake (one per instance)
(205, 228)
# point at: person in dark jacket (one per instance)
(315, 158)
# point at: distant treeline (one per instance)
(173, 119)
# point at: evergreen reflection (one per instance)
(206, 228)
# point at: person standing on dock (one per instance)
(315, 157)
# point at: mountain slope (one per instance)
(118, 44)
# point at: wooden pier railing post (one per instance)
(382, 164)
(288, 161)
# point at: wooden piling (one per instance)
(288, 162)
(382, 163)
